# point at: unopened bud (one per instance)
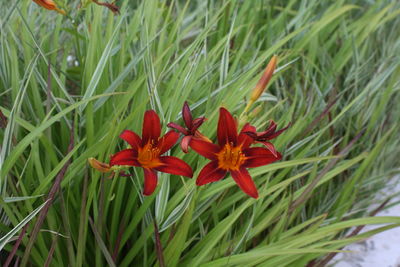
(263, 82)
(50, 5)
(100, 166)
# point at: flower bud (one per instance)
(100, 166)
(50, 5)
(263, 82)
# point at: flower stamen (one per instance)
(148, 155)
(230, 157)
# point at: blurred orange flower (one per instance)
(50, 5)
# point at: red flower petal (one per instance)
(251, 134)
(277, 133)
(206, 149)
(227, 130)
(271, 128)
(151, 127)
(185, 143)
(150, 181)
(244, 181)
(178, 128)
(271, 148)
(176, 166)
(132, 138)
(201, 136)
(259, 156)
(244, 138)
(187, 115)
(125, 157)
(167, 141)
(210, 173)
(197, 123)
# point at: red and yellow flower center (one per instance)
(148, 156)
(230, 157)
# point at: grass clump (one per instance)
(69, 85)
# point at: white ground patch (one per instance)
(381, 250)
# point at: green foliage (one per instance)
(337, 76)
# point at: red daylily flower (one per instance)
(146, 152)
(232, 154)
(269, 134)
(191, 127)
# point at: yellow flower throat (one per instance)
(230, 157)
